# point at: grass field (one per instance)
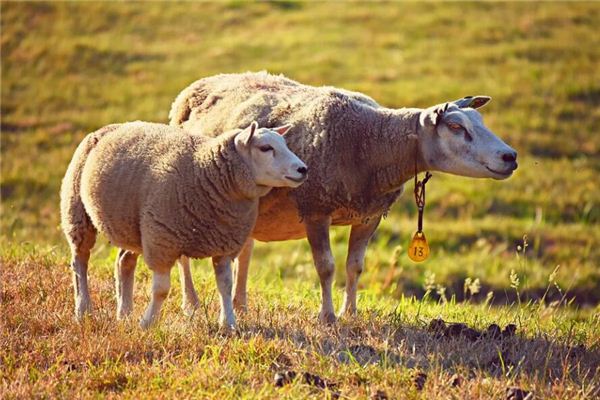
(523, 251)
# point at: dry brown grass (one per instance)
(45, 353)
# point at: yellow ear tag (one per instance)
(418, 250)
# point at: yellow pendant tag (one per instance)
(418, 250)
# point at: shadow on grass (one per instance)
(455, 348)
(587, 296)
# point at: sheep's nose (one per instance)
(510, 156)
(302, 170)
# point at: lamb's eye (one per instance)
(455, 127)
(265, 148)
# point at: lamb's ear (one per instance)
(472, 101)
(253, 127)
(250, 132)
(282, 130)
(245, 137)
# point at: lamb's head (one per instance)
(265, 152)
(455, 140)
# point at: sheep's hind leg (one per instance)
(317, 231)
(81, 243)
(222, 266)
(161, 283)
(160, 262)
(240, 299)
(357, 247)
(83, 304)
(189, 297)
(124, 277)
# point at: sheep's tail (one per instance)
(75, 221)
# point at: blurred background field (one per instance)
(69, 68)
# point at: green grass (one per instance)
(69, 68)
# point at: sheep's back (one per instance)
(331, 132)
(216, 104)
(153, 184)
(123, 173)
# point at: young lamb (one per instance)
(362, 153)
(164, 193)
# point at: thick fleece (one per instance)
(363, 152)
(158, 191)
(136, 173)
(359, 153)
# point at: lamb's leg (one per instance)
(79, 265)
(159, 259)
(189, 297)
(161, 283)
(81, 241)
(222, 266)
(317, 231)
(357, 246)
(124, 277)
(240, 299)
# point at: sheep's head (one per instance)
(454, 139)
(268, 157)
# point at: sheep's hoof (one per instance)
(81, 310)
(146, 323)
(189, 308)
(123, 313)
(240, 305)
(227, 328)
(348, 312)
(327, 318)
(123, 316)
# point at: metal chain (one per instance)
(420, 197)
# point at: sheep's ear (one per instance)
(472, 101)
(249, 132)
(282, 130)
(433, 115)
(439, 113)
(244, 137)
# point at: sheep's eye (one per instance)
(265, 148)
(454, 126)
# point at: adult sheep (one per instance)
(156, 190)
(361, 154)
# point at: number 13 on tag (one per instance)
(418, 250)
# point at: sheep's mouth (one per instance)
(504, 174)
(297, 180)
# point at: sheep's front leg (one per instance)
(124, 277)
(240, 299)
(222, 266)
(189, 297)
(317, 231)
(357, 246)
